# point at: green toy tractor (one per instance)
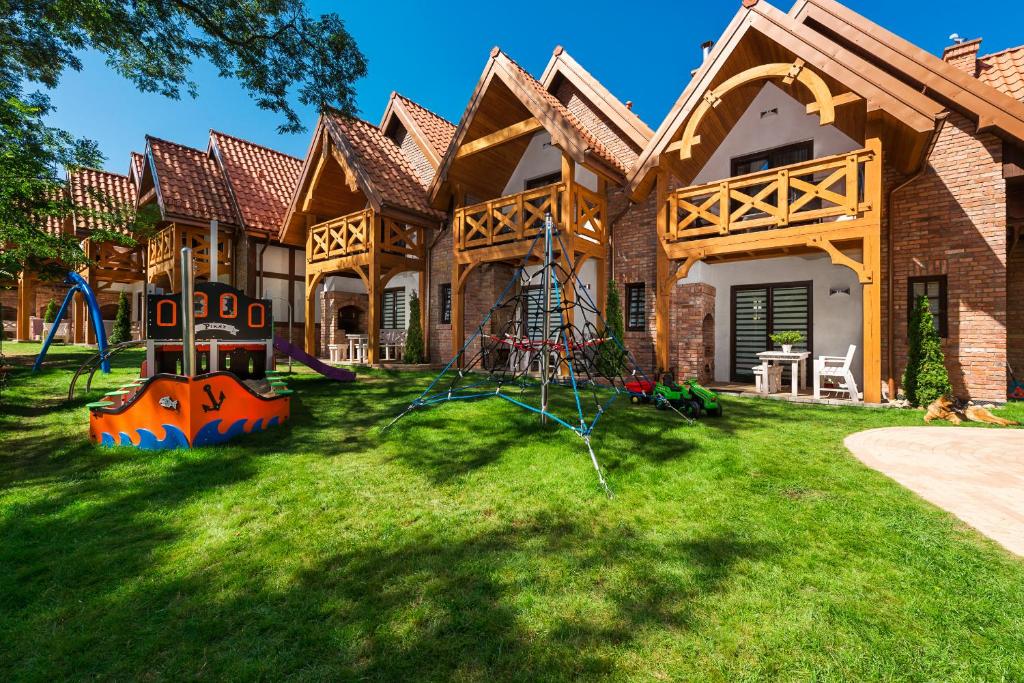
(689, 398)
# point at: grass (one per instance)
(471, 544)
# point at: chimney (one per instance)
(629, 105)
(963, 54)
(705, 48)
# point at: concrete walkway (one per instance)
(976, 474)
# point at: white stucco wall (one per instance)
(542, 158)
(754, 133)
(837, 320)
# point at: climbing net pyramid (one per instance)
(544, 347)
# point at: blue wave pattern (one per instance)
(210, 433)
(173, 438)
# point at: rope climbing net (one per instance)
(543, 346)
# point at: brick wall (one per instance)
(1015, 282)
(331, 304)
(693, 331)
(440, 342)
(952, 221)
(633, 260)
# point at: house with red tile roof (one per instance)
(819, 174)
(526, 148)
(361, 210)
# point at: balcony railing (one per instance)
(113, 262)
(345, 236)
(165, 246)
(521, 217)
(829, 188)
(355, 234)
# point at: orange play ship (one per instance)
(208, 373)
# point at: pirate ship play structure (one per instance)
(208, 373)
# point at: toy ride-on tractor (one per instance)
(689, 397)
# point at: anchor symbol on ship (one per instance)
(215, 403)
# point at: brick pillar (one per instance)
(963, 56)
(693, 327)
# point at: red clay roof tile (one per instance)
(387, 171)
(438, 131)
(588, 136)
(1004, 71)
(190, 184)
(261, 178)
(98, 191)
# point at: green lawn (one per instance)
(468, 543)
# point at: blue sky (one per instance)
(434, 52)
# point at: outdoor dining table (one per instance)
(797, 361)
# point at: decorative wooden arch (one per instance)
(824, 102)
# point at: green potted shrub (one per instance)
(414, 334)
(610, 356)
(122, 331)
(787, 338)
(925, 378)
(49, 317)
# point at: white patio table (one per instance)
(798, 364)
(357, 344)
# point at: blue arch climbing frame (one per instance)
(78, 284)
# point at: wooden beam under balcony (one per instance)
(500, 137)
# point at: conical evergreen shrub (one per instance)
(122, 331)
(611, 358)
(925, 377)
(414, 335)
(50, 314)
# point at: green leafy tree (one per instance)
(611, 358)
(274, 48)
(50, 314)
(414, 335)
(122, 331)
(925, 377)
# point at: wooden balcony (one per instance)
(508, 225)
(826, 192)
(112, 262)
(164, 251)
(342, 240)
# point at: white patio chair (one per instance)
(836, 369)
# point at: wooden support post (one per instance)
(567, 224)
(26, 306)
(309, 320)
(872, 291)
(664, 282)
(79, 321)
(376, 301)
(90, 328)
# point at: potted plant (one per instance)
(786, 339)
(49, 317)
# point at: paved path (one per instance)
(977, 474)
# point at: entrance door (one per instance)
(762, 310)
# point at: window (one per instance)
(636, 307)
(933, 287)
(543, 180)
(228, 305)
(393, 317)
(445, 299)
(773, 158)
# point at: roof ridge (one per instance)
(420, 106)
(1000, 52)
(98, 170)
(153, 138)
(254, 144)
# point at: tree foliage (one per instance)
(611, 358)
(414, 335)
(274, 48)
(925, 377)
(122, 331)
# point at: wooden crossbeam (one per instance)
(500, 137)
(837, 101)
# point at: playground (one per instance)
(469, 542)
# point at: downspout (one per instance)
(890, 304)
